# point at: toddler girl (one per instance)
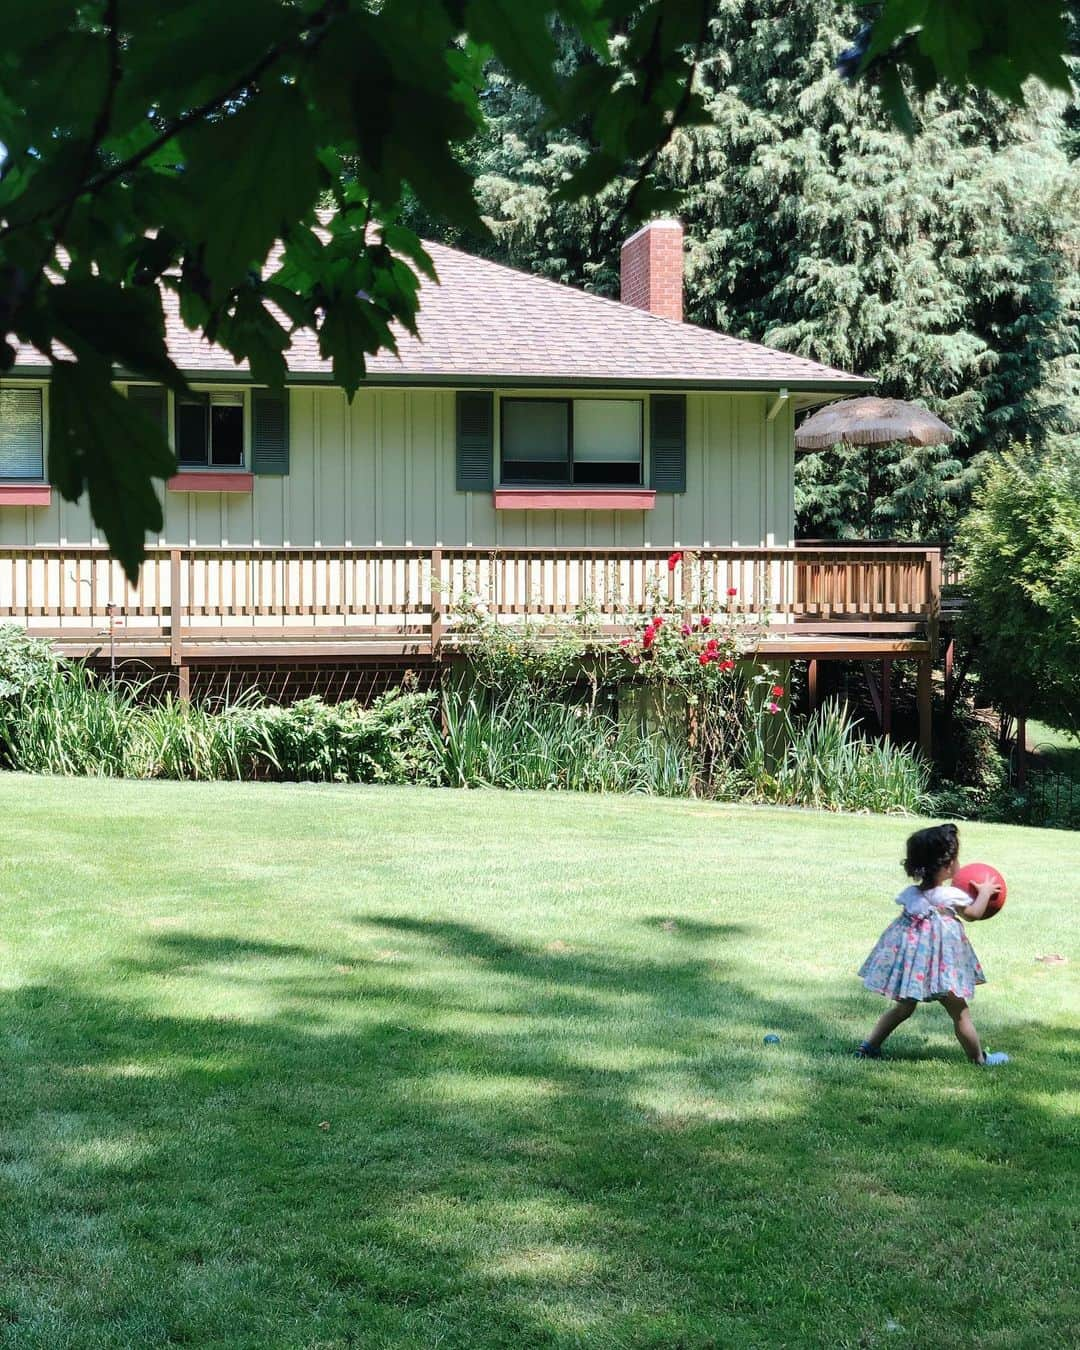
(925, 955)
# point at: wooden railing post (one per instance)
(437, 608)
(176, 625)
(689, 559)
(933, 619)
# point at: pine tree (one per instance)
(944, 267)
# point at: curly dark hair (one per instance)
(928, 851)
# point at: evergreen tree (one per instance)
(945, 266)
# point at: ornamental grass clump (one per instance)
(514, 743)
(823, 762)
(66, 721)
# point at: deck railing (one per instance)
(225, 594)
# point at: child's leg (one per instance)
(964, 1027)
(887, 1023)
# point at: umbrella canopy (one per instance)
(871, 421)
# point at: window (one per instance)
(574, 441)
(536, 440)
(210, 430)
(21, 440)
(607, 440)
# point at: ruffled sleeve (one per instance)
(914, 902)
(950, 897)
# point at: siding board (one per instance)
(382, 469)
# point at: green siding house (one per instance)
(545, 444)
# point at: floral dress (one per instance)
(925, 953)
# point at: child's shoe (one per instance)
(868, 1051)
(995, 1058)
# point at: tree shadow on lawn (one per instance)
(527, 1149)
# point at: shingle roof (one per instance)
(486, 323)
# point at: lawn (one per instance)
(319, 1067)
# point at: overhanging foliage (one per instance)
(174, 143)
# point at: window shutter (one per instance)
(270, 431)
(475, 441)
(152, 400)
(667, 442)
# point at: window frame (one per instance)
(553, 483)
(42, 391)
(208, 466)
(568, 400)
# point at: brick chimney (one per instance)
(651, 269)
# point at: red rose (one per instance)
(733, 590)
(674, 559)
(657, 621)
(647, 637)
(705, 658)
(626, 642)
(686, 630)
(777, 691)
(705, 621)
(727, 665)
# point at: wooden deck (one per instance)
(197, 607)
(280, 602)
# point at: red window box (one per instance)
(574, 499)
(25, 494)
(211, 480)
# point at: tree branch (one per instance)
(322, 17)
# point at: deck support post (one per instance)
(924, 693)
(886, 697)
(875, 693)
(812, 685)
(183, 682)
(950, 656)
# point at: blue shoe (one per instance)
(868, 1051)
(992, 1060)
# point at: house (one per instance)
(544, 445)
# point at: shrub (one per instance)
(25, 661)
(1020, 550)
(1049, 801)
(967, 751)
(531, 658)
(392, 742)
(58, 717)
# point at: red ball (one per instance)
(972, 875)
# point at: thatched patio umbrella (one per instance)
(871, 421)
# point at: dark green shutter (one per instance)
(152, 400)
(667, 442)
(269, 431)
(475, 441)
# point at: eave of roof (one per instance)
(201, 375)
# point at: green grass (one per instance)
(321, 1067)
